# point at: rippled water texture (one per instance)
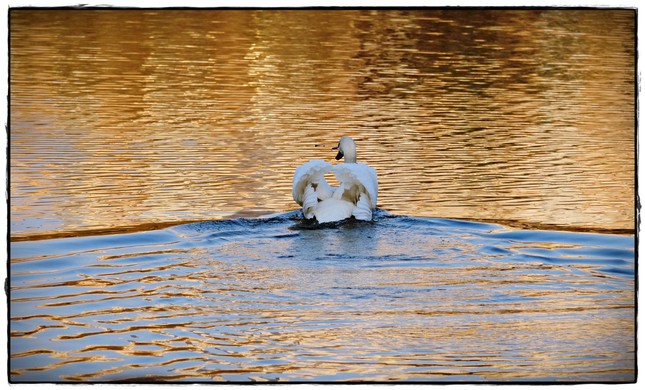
(280, 299)
(173, 130)
(125, 118)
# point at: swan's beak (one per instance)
(340, 152)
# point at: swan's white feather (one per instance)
(357, 179)
(310, 202)
(330, 210)
(311, 174)
(356, 196)
(362, 209)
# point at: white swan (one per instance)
(356, 196)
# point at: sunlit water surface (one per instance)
(281, 299)
(137, 122)
(126, 118)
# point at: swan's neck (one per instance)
(351, 159)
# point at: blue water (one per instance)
(283, 299)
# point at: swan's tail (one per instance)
(362, 210)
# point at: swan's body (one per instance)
(356, 196)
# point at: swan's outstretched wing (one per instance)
(357, 179)
(311, 174)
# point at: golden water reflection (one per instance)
(121, 118)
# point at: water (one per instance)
(145, 144)
(133, 118)
(280, 299)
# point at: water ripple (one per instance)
(278, 299)
(501, 115)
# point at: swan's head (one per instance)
(346, 148)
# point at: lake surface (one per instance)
(145, 145)
(121, 119)
(281, 299)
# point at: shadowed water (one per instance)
(284, 299)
